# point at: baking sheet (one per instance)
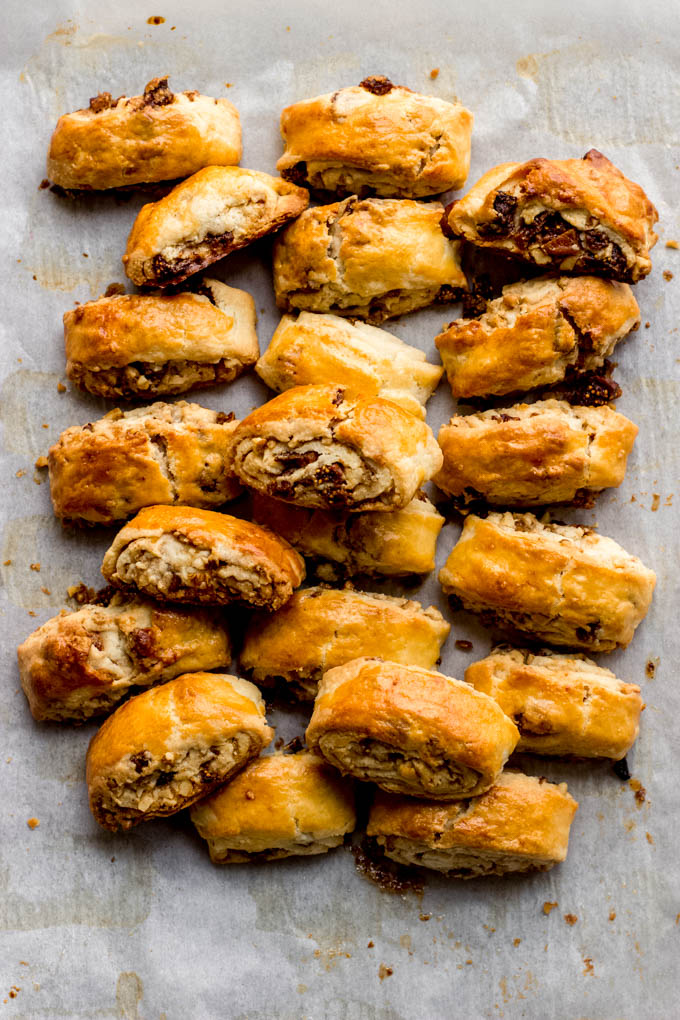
(142, 925)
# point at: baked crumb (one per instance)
(667, 275)
(41, 463)
(6, 563)
(36, 567)
(516, 942)
(571, 919)
(384, 972)
(463, 646)
(548, 906)
(33, 823)
(155, 19)
(45, 591)
(20, 473)
(612, 915)
(672, 244)
(434, 73)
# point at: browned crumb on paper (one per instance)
(672, 244)
(13, 992)
(6, 563)
(33, 823)
(651, 668)
(155, 19)
(41, 463)
(113, 289)
(516, 942)
(20, 473)
(371, 945)
(36, 567)
(571, 919)
(639, 791)
(389, 876)
(548, 906)
(667, 275)
(588, 969)
(612, 915)
(45, 184)
(434, 73)
(81, 594)
(656, 501)
(649, 838)
(463, 646)
(384, 972)
(45, 591)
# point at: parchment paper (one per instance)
(142, 925)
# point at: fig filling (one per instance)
(148, 379)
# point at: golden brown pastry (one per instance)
(109, 469)
(537, 333)
(532, 454)
(376, 139)
(561, 704)
(570, 215)
(317, 348)
(559, 583)
(410, 730)
(172, 745)
(282, 805)
(144, 345)
(158, 136)
(181, 554)
(80, 664)
(319, 446)
(319, 628)
(521, 824)
(394, 543)
(374, 259)
(207, 216)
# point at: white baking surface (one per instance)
(142, 925)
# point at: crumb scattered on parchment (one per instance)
(41, 463)
(571, 919)
(434, 73)
(516, 942)
(672, 244)
(155, 19)
(33, 823)
(36, 567)
(667, 275)
(20, 473)
(6, 563)
(371, 944)
(612, 915)
(45, 184)
(677, 918)
(81, 593)
(656, 500)
(113, 289)
(384, 972)
(424, 917)
(647, 325)
(548, 906)
(61, 388)
(13, 992)
(588, 969)
(649, 838)
(463, 646)
(651, 668)
(31, 613)
(45, 591)
(85, 255)
(45, 425)
(639, 791)
(228, 84)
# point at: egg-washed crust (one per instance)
(183, 554)
(376, 139)
(563, 705)
(319, 628)
(410, 730)
(214, 212)
(570, 215)
(109, 469)
(521, 824)
(397, 543)
(316, 348)
(281, 805)
(373, 258)
(148, 345)
(561, 584)
(537, 333)
(81, 664)
(172, 745)
(321, 447)
(158, 136)
(533, 454)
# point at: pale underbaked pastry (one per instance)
(410, 730)
(109, 469)
(319, 628)
(207, 216)
(532, 454)
(319, 446)
(520, 824)
(182, 554)
(561, 704)
(393, 543)
(570, 215)
(537, 333)
(317, 348)
(158, 136)
(376, 139)
(374, 259)
(172, 745)
(80, 664)
(150, 345)
(281, 805)
(561, 584)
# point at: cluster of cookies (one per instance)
(335, 465)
